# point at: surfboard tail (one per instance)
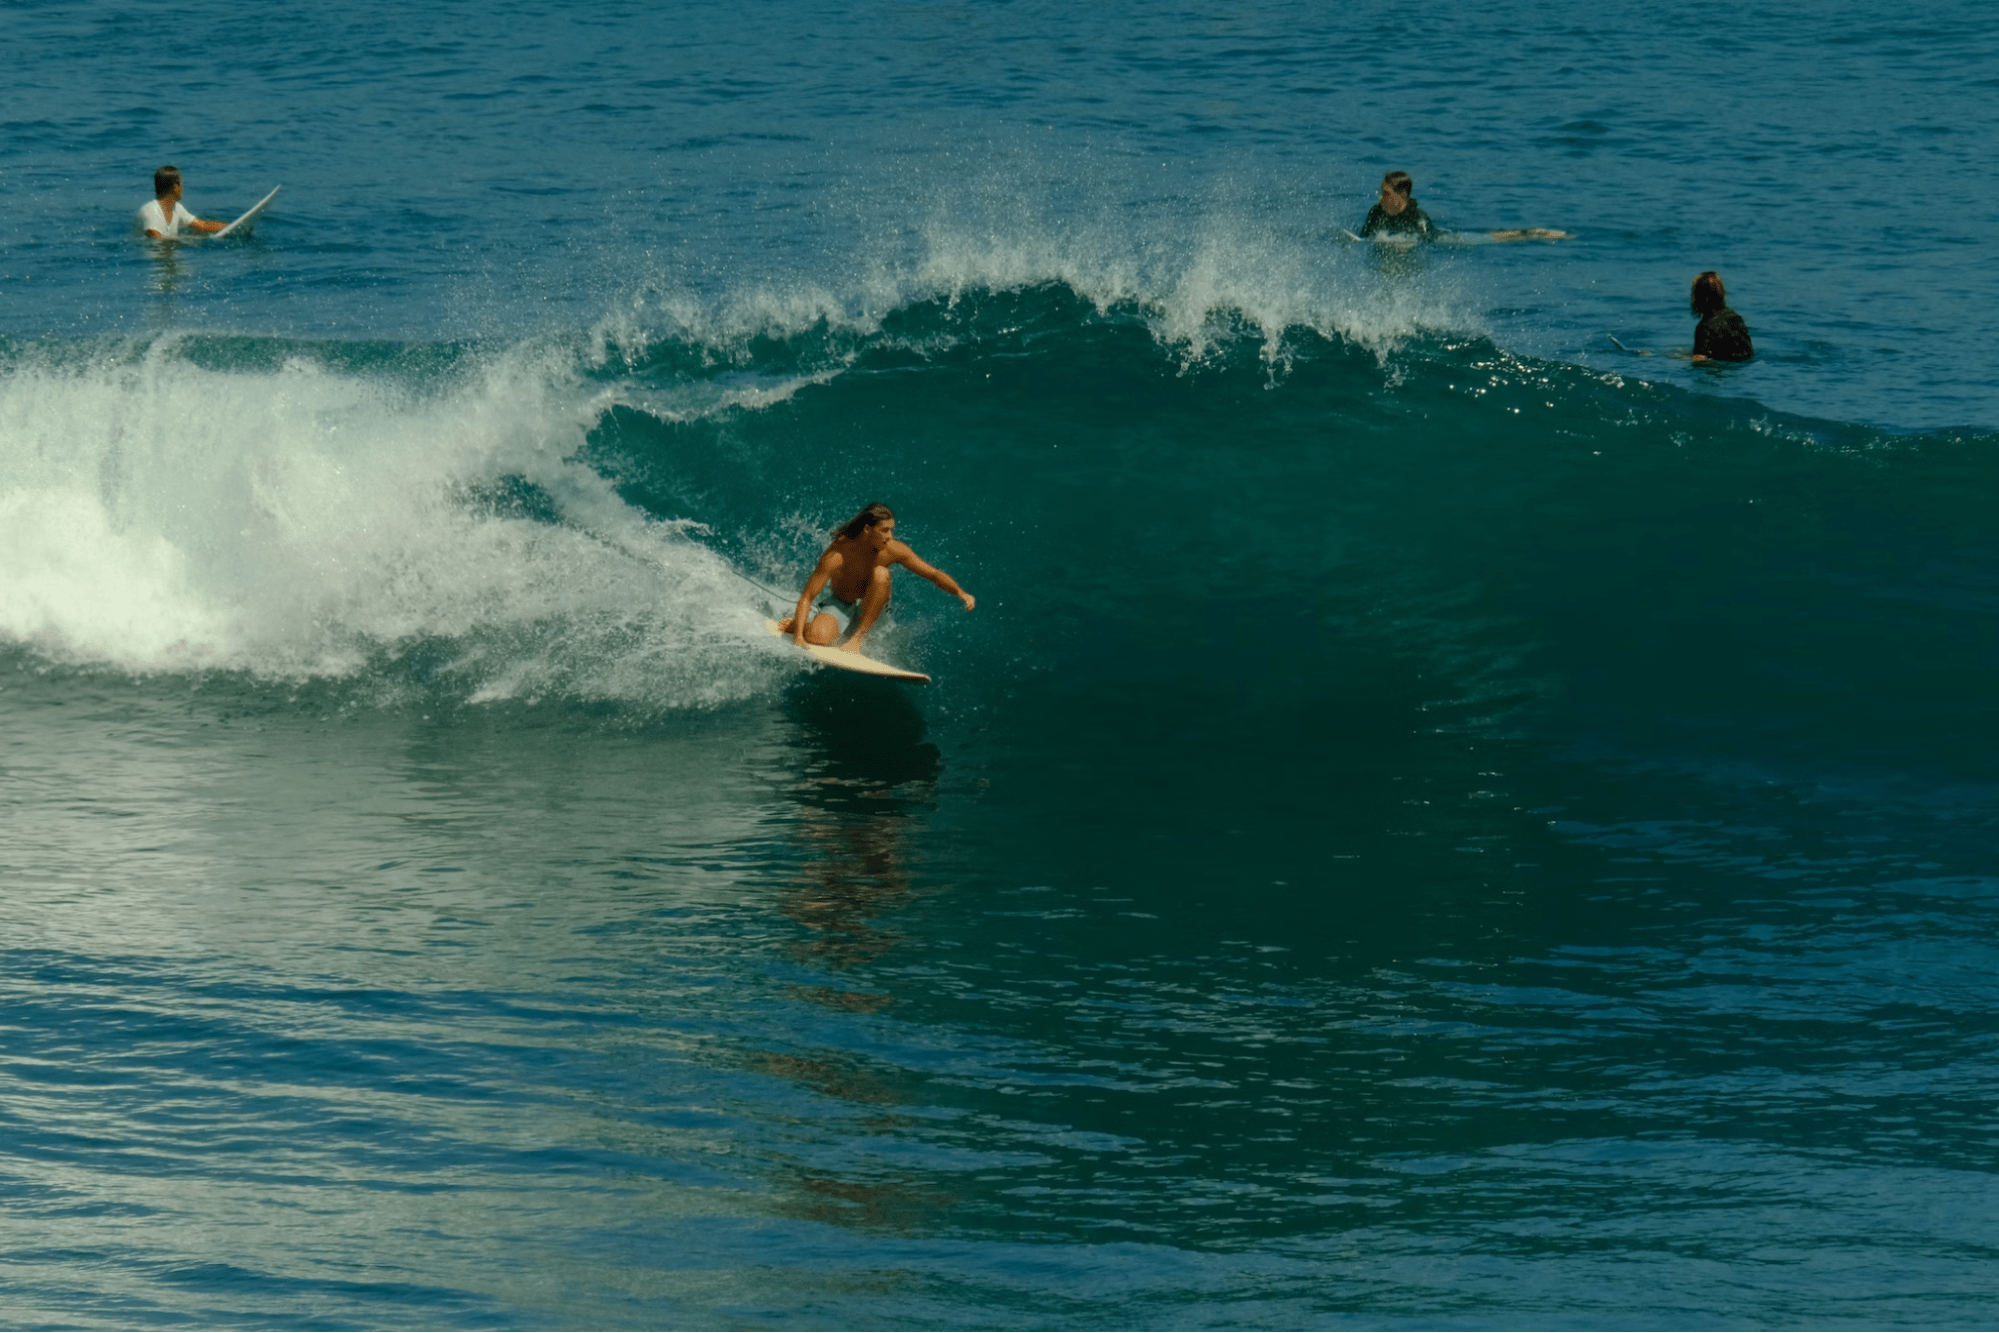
(857, 663)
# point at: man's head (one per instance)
(1709, 294)
(1396, 187)
(875, 524)
(166, 181)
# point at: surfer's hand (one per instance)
(969, 600)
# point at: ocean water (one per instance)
(1435, 820)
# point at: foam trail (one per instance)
(159, 516)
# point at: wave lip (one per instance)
(1199, 285)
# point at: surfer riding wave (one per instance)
(855, 571)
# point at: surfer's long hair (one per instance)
(1709, 294)
(867, 518)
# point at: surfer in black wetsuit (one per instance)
(1721, 334)
(1397, 213)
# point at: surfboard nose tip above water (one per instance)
(249, 218)
(843, 660)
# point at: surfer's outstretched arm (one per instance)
(923, 569)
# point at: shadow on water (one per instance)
(863, 731)
(868, 774)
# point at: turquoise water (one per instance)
(1434, 821)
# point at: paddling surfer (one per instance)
(166, 215)
(1398, 215)
(851, 581)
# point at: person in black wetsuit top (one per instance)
(1721, 334)
(1397, 213)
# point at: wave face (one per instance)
(1648, 566)
(591, 517)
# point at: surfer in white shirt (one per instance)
(166, 215)
(854, 575)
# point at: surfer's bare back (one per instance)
(853, 575)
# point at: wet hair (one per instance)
(1709, 294)
(1399, 182)
(867, 518)
(165, 179)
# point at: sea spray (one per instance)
(308, 521)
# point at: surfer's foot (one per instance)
(852, 645)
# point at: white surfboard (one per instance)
(1400, 238)
(249, 219)
(854, 662)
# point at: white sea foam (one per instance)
(159, 516)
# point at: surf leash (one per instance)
(759, 586)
